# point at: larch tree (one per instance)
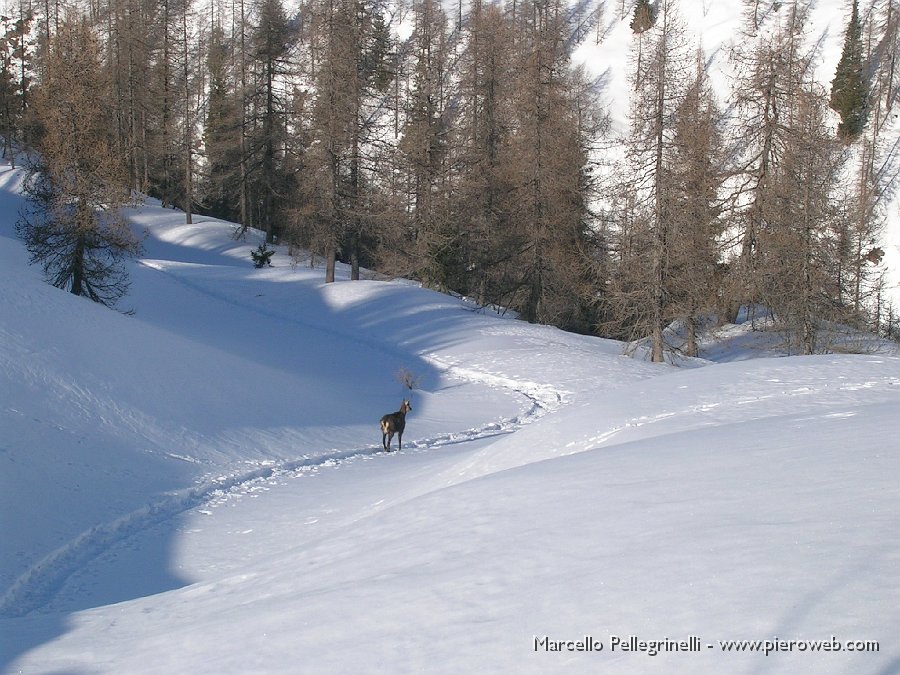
(858, 254)
(271, 48)
(771, 73)
(641, 301)
(485, 121)
(351, 52)
(187, 120)
(752, 15)
(423, 150)
(127, 27)
(694, 176)
(221, 185)
(240, 26)
(641, 21)
(72, 225)
(884, 60)
(163, 140)
(548, 200)
(320, 217)
(372, 48)
(14, 81)
(796, 247)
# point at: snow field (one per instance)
(200, 487)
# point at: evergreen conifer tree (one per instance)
(849, 91)
(643, 16)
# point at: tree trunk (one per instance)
(691, 348)
(330, 256)
(188, 136)
(246, 211)
(354, 261)
(661, 238)
(78, 266)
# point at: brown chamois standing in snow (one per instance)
(394, 423)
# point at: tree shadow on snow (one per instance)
(207, 356)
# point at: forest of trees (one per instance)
(458, 145)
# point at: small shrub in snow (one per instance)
(408, 379)
(262, 256)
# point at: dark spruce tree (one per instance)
(643, 16)
(262, 256)
(71, 224)
(849, 90)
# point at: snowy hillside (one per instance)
(200, 487)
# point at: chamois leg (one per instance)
(400, 441)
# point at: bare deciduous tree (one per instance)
(72, 226)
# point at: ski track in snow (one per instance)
(725, 406)
(39, 584)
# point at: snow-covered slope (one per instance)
(199, 487)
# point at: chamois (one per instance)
(394, 423)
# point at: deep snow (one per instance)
(200, 487)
